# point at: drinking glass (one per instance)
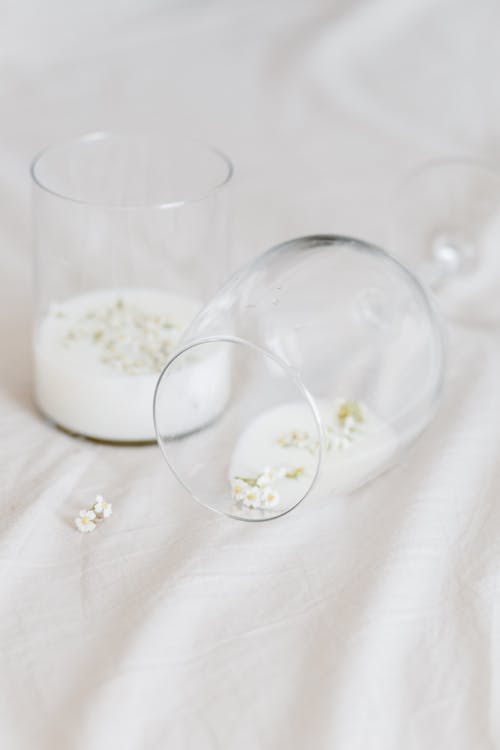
(130, 240)
(314, 367)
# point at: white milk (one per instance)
(98, 357)
(350, 457)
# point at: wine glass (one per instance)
(313, 368)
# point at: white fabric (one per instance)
(365, 622)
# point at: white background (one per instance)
(365, 622)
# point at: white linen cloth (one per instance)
(361, 623)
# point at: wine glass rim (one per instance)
(297, 381)
(106, 135)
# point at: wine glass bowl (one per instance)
(313, 368)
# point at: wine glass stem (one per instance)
(449, 258)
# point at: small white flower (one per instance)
(281, 472)
(239, 489)
(266, 477)
(339, 442)
(102, 508)
(350, 425)
(269, 497)
(252, 498)
(301, 440)
(85, 521)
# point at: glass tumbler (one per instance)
(314, 366)
(130, 240)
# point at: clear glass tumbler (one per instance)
(314, 366)
(130, 240)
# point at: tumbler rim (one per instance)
(102, 135)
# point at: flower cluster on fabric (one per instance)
(87, 520)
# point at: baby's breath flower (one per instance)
(269, 497)
(350, 410)
(339, 442)
(267, 476)
(85, 521)
(259, 492)
(102, 508)
(125, 337)
(252, 497)
(294, 473)
(239, 489)
(297, 439)
(346, 427)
